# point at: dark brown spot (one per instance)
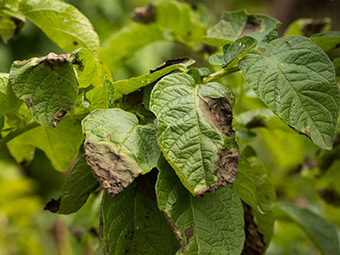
(189, 232)
(53, 60)
(252, 25)
(170, 62)
(75, 43)
(57, 118)
(255, 122)
(306, 133)
(314, 27)
(28, 103)
(53, 205)
(145, 14)
(330, 196)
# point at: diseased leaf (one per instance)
(327, 40)
(132, 223)
(61, 144)
(62, 23)
(234, 52)
(195, 131)
(124, 87)
(236, 24)
(323, 234)
(47, 85)
(9, 28)
(117, 148)
(9, 102)
(308, 27)
(212, 224)
(296, 80)
(77, 188)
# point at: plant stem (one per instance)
(220, 74)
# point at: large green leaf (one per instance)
(77, 188)
(195, 131)
(132, 223)
(327, 40)
(124, 87)
(323, 234)
(117, 148)
(212, 224)
(61, 144)
(296, 80)
(62, 23)
(48, 85)
(236, 24)
(9, 102)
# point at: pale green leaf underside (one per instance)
(77, 188)
(323, 234)
(296, 80)
(9, 102)
(327, 40)
(195, 132)
(212, 224)
(132, 223)
(47, 85)
(62, 23)
(117, 148)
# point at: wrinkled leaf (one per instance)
(62, 23)
(236, 24)
(132, 223)
(77, 188)
(9, 102)
(296, 80)
(47, 85)
(234, 52)
(61, 144)
(124, 87)
(323, 234)
(195, 131)
(212, 224)
(117, 148)
(327, 40)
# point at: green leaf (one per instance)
(7, 29)
(336, 64)
(296, 80)
(308, 27)
(195, 131)
(47, 85)
(61, 144)
(98, 98)
(323, 234)
(236, 24)
(65, 25)
(212, 224)
(132, 223)
(124, 87)
(327, 40)
(117, 148)
(85, 65)
(234, 52)
(9, 102)
(77, 188)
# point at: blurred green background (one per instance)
(298, 170)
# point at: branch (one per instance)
(220, 74)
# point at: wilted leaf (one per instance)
(9, 102)
(195, 131)
(47, 85)
(117, 148)
(327, 40)
(212, 224)
(296, 80)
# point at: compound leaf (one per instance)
(195, 131)
(47, 85)
(296, 80)
(117, 148)
(212, 224)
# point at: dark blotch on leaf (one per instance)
(330, 196)
(170, 62)
(75, 43)
(53, 60)
(252, 25)
(314, 27)
(53, 205)
(145, 14)
(28, 102)
(56, 118)
(255, 122)
(189, 232)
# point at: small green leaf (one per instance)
(212, 224)
(62, 23)
(234, 52)
(323, 234)
(132, 223)
(327, 40)
(296, 80)
(195, 120)
(47, 85)
(8, 29)
(124, 87)
(308, 27)
(77, 188)
(9, 102)
(236, 24)
(98, 98)
(117, 148)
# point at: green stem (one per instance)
(220, 74)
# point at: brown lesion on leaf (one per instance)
(189, 232)
(145, 14)
(53, 60)
(170, 62)
(53, 205)
(314, 27)
(28, 103)
(113, 170)
(330, 196)
(253, 25)
(57, 117)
